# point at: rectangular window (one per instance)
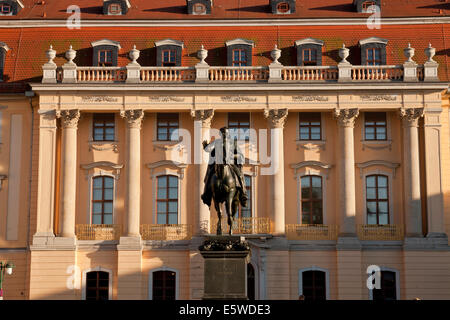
(104, 127)
(167, 200)
(310, 126)
(377, 199)
(105, 58)
(311, 195)
(373, 56)
(102, 200)
(309, 57)
(239, 125)
(239, 58)
(167, 126)
(114, 9)
(169, 58)
(5, 8)
(375, 126)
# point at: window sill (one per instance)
(311, 144)
(377, 144)
(103, 145)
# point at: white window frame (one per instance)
(101, 173)
(165, 172)
(314, 268)
(397, 282)
(84, 277)
(163, 268)
(390, 193)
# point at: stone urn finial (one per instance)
(134, 55)
(51, 54)
(202, 54)
(275, 54)
(344, 53)
(430, 52)
(409, 53)
(70, 55)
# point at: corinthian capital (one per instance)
(69, 118)
(205, 116)
(410, 116)
(276, 117)
(346, 117)
(133, 117)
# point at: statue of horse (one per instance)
(224, 188)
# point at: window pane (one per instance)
(173, 219)
(97, 194)
(162, 193)
(96, 207)
(109, 182)
(161, 219)
(98, 183)
(305, 182)
(107, 207)
(173, 193)
(370, 181)
(96, 219)
(173, 182)
(316, 182)
(371, 193)
(162, 182)
(371, 207)
(383, 218)
(382, 181)
(317, 193)
(162, 207)
(173, 207)
(382, 193)
(371, 219)
(107, 219)
(383, 207)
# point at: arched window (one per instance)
(5, 8)
(283, 7)
(114, 8)
(314, 285)
(167, 200)
(97, 285)
(199, 8)
(388, 290)
(250, 282)
(366, 6)
(377, 199)
(102, 200)
(311, 195)
(164, 285)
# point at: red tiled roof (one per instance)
(228, 9)
(27, 46)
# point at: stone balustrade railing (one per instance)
(311, 232)
(409, 71)
(379, 232)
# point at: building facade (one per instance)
(344, 124)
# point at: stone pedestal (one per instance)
(225, 275)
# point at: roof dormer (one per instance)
(106, 53)
(10, 7)
(115, 7)
(199, 7)
(168, 53)
(367, 6)
(282, 6)
(3, 49)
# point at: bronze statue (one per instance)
(224, 181)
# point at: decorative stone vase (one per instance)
(275, 54)
(430, 52)
(344, 53)
(51, 54)
(409, 53)
(202, 54)
(134, 55)
(70, 55)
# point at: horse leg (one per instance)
(219, 216)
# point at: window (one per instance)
(5, 8)
(97, 285)
(375, 126)
(167, 126)
(311, 194)
(314, 285)
(246, 212)
(169, 58)
(366, 6)
(250, 282)
(388, 290)
(102, 200)
(167, 200)
(239, 58)
(377, 199)
(114, 8)
(103, 127)
(105, 58)
(310, 126)
(309, 57)
(164, 285)
(239, 125)
(2, 61)
(283, 7)
(199, 8)
(373, 56)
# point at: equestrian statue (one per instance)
(224, 180)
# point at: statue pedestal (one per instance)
(226, 259)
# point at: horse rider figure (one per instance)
(225, 148)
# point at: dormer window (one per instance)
(3, 49)
(10, 7)
(105, 53)
(168, 53)
(367, 6)
(309, 52)
(239, 52)
(199, 7)
(282, 6)
(116, 7)
(373, 51)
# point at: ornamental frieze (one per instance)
(99, 99)
(165, 99)
(238, 99)
(309, 98)
(380, 97)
